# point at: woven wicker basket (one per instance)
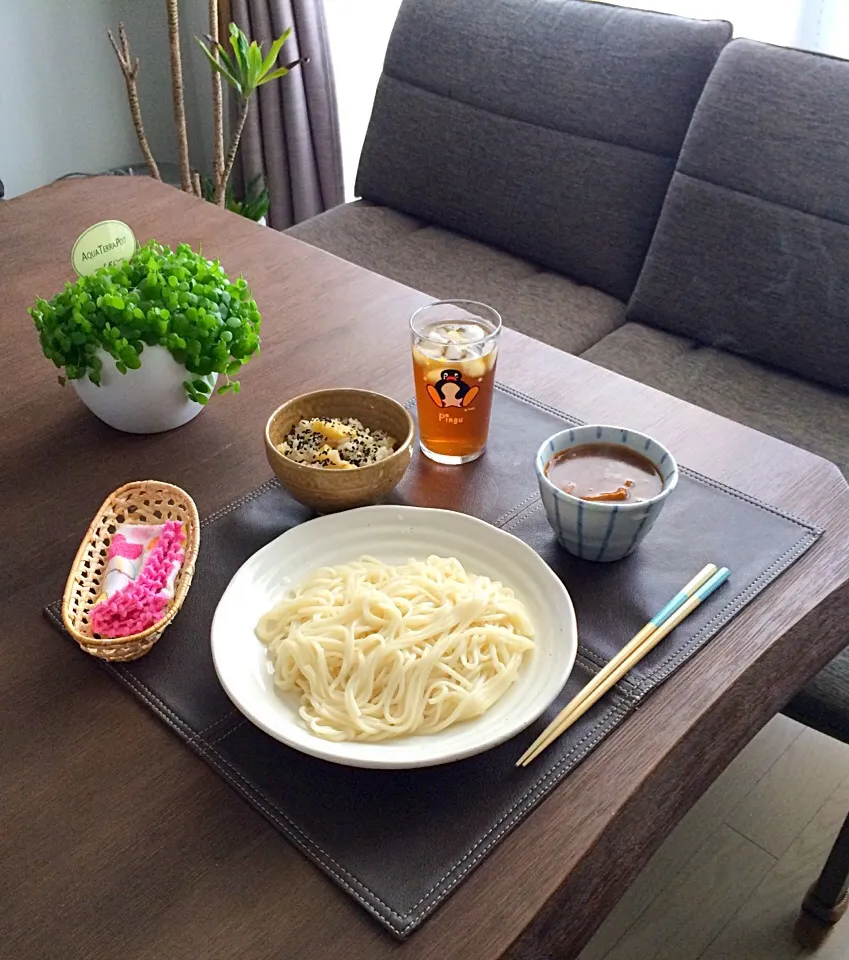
(146, 501)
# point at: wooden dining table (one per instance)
(117, 841)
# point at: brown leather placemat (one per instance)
(400, 841)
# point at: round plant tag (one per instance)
(105, 243)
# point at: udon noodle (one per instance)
(378, 651)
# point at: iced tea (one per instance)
(455, 348)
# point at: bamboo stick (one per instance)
(178, 95)
(130, 69)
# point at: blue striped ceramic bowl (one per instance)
(602, 531)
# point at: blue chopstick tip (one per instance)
(715, 581)
(677, 601)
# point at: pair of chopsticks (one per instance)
(679, 607)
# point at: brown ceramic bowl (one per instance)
(329, 490)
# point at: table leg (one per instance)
(827, 900)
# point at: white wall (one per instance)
(63, 103)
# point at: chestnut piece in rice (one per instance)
(336, 444)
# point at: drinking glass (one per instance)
(455, 347)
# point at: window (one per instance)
(811, 24)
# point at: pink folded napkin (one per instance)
(141, 568)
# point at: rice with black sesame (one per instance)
(336, 444)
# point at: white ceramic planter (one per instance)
(148, 400)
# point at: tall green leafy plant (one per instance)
(253, 204)
(246, 69)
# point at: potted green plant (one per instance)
(144, 341)
(246, 67)
(253, 205)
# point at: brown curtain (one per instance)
(291, 137)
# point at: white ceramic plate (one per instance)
(392, 534)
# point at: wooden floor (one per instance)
(727, 883)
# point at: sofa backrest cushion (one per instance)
(751, 252)
(548, 128)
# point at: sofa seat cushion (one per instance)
(444, 264)
(798, 411)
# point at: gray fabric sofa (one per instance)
(632, 187)
(742, 304)
(521, 153)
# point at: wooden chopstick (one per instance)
(678, 608)
(660, 617)
(635, 643)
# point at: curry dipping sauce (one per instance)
(605, 473)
